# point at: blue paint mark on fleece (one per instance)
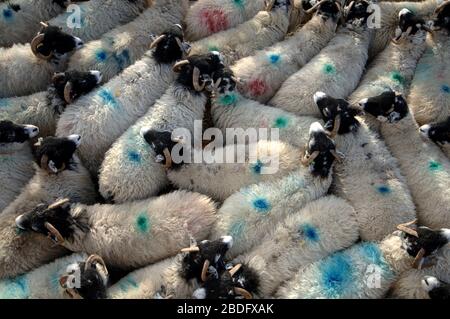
(383, 189)
(123, 59)
(257, 167)
(134, 156)
(261, 205)
(336, 275)
(274, 58)
(127, 283)
(309, 232)
(445, 88)
(15, 288)
(4, 103)
(101, 55)
(108, 97)
(7, 14)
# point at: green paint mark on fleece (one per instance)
(143, 223)
(434, 166)
(236, 229)
(213, 47)
(228, 99)
(127, 283)
(281, 122)
(398, 78)
(329, 69)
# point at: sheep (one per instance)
(129, 170)
(337, 68)
(124, 45)
(119, 103)
(21, 18)
(44, 108)
(174, 277)
(265, 29)
(263, 73)
(393, 69)
(364, 271)
(389, 11)
(15, 159)
(270, 161)
(248, 215)
(229, 109)
(436, 289)
(210, 16)
(439, 133)
(409, 285)
(28, 68)
(320, 228)
(430, 88)
(111, 13)
(369, 178)
(129, 235)
(40, 283)
(426, 169)
(58, 174)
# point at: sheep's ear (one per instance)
(52, 166)
(58, 78)
(39, 142)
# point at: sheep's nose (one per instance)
(31, 130)
(75, 138)
(78, 43)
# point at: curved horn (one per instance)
(67, 92)
(190, 250)
(216, 84)
(404, 228)
(59, 239)
(95, 258)
(177, 67)
(42, 23)
(243, 292)
(59, 203)
(440, 7)
(338, 156)
(204, 275)
(314, 7)
(349, 8)
(35, 44)
(336, 127)
(417, 263)
(168, 158)
(235, 269)
(269, 5)
(195, 80)
(341, 12)
(157, 40)
(307, 160)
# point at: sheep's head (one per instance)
(327, 9)
(411, 29)
(197, 71)
(72, 84)
(387, 107)
(54, 221)
(236, 282)
(441, 20)
(338, 115)
(86, 280)
(13, 136)
(357, 13)
(278, 5)
(320, 152)
(436, 288)
(225, 83)
(437, 132)
(52, 43)
(162, 143)
(169, 46)
(206, 259)
(55, 154)
(423, 241)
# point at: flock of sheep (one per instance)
(92, 204)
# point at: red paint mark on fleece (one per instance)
(215, 20)
(257, 87)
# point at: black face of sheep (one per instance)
(55, 154)
(54, 221)
(320, 151)
(224, 81)
(436, 289)
(162, 144)
(197, 71)
(437, 132)
(169, 47)
(329, 10)
(410, 27)
(87, 280)
(428, 239)
(237, 282)
(15, 133)
(442, 19)
(206, 259)
(386, 107)
(357, 13)
(72, 84)
(338, 115)
(52, 43)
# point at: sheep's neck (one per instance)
(402, 137)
